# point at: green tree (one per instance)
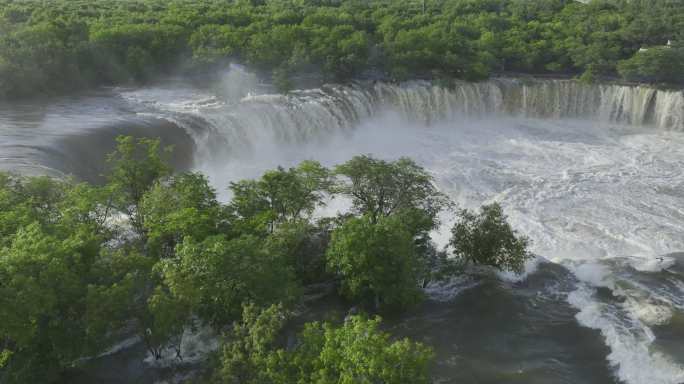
(405, 192)
(179, 206)
(163, 320)
(212, 43)
(135, 166)
(63, 293)
(488, 239)
(354, 352)
(303, 245)
(60, 45)
(341, 50)
(272, 46)
(248, 356)
(657, 64)
(377, 261)
(218, 275)
(136, 51)
(281, 195)
(380, 188)
(358, 352)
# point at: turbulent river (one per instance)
(593, 174)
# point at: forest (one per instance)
(151, 253)
(51, 47)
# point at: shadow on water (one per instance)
(84, 155)
(73, 135)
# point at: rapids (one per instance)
(591, 173)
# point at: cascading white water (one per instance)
(302, 115)
(634, 105)
(226, 127)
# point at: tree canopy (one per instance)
(64, 45)
(377, 260)
(355, 352)
(155, 253)
(380, 188)
(656, 64)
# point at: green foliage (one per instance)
(355, 352)
(136, 51)
(163, 320)
(358, 352)
(4, 357)
(247, 356)
(657, 64)
(179, 206)
(384, 256)
(340, 50)
(381, 188)
(280, 195)
(588, 77)
(62, 292)
(377, 261)
(65, 45)
(217, 276)
(488, 239)
(135, 166)
(441, 48)
(303, 246)
(213, 43)
(82, 265)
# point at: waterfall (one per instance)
(303, 116)
(337, 107)
(632, 105)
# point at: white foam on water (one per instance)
(448, 290)
(630, 342)
(653, 264)
(196, 343)
(598, 275)
(647, 311)
(531, 267)
(625, 319)
(124, 344)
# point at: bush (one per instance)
(488, 239)
(355, 352)
(377, 261)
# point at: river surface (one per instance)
(592, 174)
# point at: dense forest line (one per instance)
(151, 253)
(63, 45)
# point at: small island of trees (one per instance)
(153, 253)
